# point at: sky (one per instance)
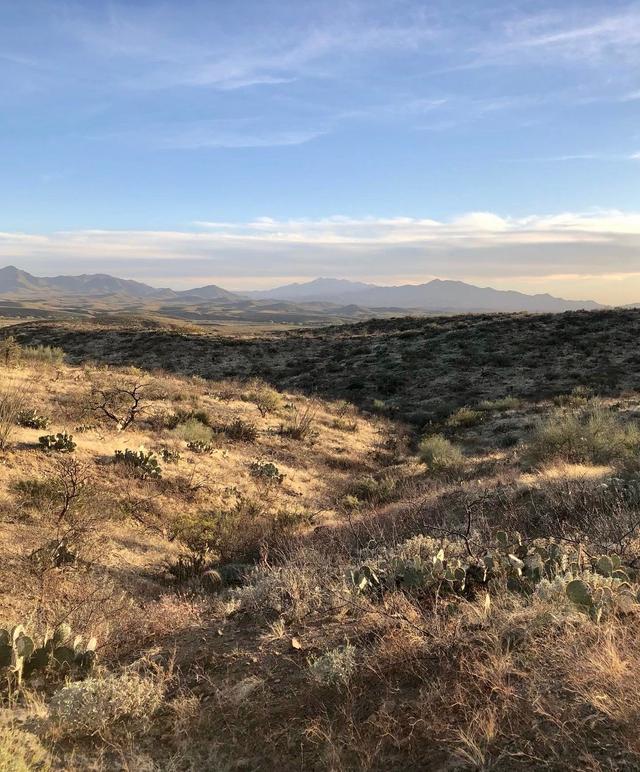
(256, 142)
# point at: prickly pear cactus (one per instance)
(61, 442)
(596, 586)
(145, 464)
(31, 419)
(20, 656)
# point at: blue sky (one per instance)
(250, 143)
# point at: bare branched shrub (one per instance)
(605, 514)
(122, 400)
(69, 511)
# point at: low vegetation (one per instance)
(213, 574)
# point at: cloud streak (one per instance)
(572, 35)
(482, 245)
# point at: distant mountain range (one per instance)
(14, 281)
(317, 299)
(435, 296)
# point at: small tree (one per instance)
(266, 399)
(12, 399)
(121, 402)
(70, 514)
(9, 351)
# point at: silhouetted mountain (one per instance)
(436, 296)
(209, 292)
(328, 298)
(318, 289)
(14, 281)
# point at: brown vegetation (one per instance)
(278, 581)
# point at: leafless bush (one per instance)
(122, 400)
(69, 511)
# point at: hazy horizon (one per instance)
(195, 282)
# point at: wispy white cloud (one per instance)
(211, 135)
(569, 33)
(610, 157)
(119, 48)
(173, 53)
(217, 133)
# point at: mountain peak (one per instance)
(437, 295)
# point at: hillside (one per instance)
(292, 582)
(414, 369)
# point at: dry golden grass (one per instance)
(566, 471)
(233, 631)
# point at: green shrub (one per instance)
(144, 464)
(95, 705)
(591, 435)
(440, 455)
(578, 397)
(30, 419)
(50, 355)
(238, 534)
(334, 668)
(61, 442)
(193, 431)
(464, 418)
(185, 416)
(372, 490)
(500, 405)
(266, 399)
